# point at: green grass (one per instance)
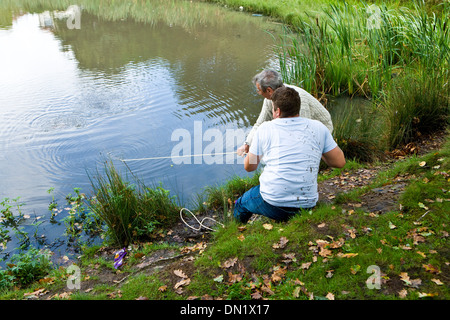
(131, 211)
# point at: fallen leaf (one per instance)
(281, 244)
(233, 278)
(289, 257)
(421, 253)
(278, 273)
(305, 265)
(325, 252)
(322, 225)
(256, 295)
(296, 292)
(437, 281)
(392, 226)
(241, 237)
(425, 295)
(347, 255)
(267, 226)
(229, 263)
(218, 278)
(180, 273)
(405, 278)
(355, 269)
(330, 296)
(402, 293)
(430, 268)
(183, 282)
(162, 288)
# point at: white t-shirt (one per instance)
(291, 148)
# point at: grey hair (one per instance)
(268, 78)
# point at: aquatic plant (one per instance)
(399, 59)
(130, 210)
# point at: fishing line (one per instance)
(171, 157)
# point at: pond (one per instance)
(80, 85)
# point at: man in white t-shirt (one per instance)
(292, 147)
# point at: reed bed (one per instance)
(398, 59)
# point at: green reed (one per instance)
(397, 58)
(131, 211)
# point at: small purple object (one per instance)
(118, 258)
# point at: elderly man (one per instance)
(292, 147)
(266, 83)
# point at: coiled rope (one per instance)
(201, 225)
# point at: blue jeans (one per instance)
(252, 202)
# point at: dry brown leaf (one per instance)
(430, 268)
(437, 281)
(330, 296)
(267, 226)
(183, 282)
(162, 288)
(281, 244)
(229, 263)
(180, 273)
(256, 295)
(402, 293)
(305, 265)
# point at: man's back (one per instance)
(291, 149)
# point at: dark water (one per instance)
(70, 98)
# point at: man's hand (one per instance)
(243, 150)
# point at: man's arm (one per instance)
(334, 158)
(264, 115)
(251, 162)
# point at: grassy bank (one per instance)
(328, 253)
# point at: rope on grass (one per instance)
(199, 222)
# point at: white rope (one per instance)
(170, 157)
(199, 222)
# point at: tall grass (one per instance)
(397, 58)
(131, 211)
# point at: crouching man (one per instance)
(292, 147)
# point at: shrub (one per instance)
(25, 268)
(130, 211)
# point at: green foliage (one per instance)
(25, 268)
(130, 211)
(398, 58)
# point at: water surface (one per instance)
(120, 85)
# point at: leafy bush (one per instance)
(25, 268)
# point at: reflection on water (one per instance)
(120, 84)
